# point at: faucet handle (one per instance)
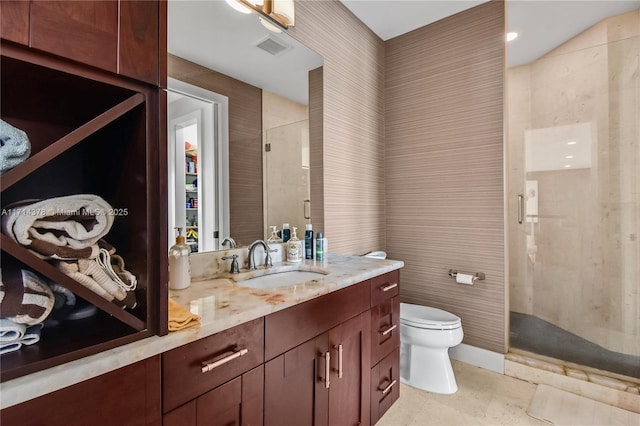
(235, 269)
(268, 262)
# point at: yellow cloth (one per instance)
(180, 318)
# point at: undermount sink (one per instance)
(281, 278)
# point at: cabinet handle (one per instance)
(389, 287)
(389, 330)
(520, 208)
(339, 349)
(388, 388)
(210, 365)
(327, 369)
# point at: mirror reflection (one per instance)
(216, 52)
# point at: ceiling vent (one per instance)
(273, 46)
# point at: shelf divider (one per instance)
(66, 142)
(45, 268)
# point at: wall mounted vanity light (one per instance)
(275, 15)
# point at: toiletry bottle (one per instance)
(286, 232)
(179, 270)
(274, 239)
(308, 242)
(294, 248)
(321, 246)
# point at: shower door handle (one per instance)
(307, 208)
(520, 208)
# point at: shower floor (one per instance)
(532, 334)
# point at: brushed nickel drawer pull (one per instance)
(210, 365)
(389, 287)
(389, 330)
(388, 388)
(327, 369)
(339, 348)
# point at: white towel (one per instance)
(13, 336)
(10, 331)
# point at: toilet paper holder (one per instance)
(476, 276)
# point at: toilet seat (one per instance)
(427, 317)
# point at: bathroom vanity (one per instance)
(324, 351)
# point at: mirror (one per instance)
(264, 76)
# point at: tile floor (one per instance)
(483, 398)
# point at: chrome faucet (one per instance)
(231, 241)
(267, 259)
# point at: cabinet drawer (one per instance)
(183, 378)
(385, 287)
(385, 385)
(385, 328)
(289, 328)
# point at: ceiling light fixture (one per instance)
(572, 143)
(273, 13)
(567, 166)
(569, 157)
(512, 35)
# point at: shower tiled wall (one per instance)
(577, 264)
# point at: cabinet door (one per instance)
(296, 386)
(139, 43)
(127, 396)
(349, 382)
(237, 402)
(385, 328)
(385, 385)
(14, 16)
(83, 31)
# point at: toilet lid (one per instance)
(428, 317)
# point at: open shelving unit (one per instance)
(91, 132)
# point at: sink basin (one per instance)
(283, 279)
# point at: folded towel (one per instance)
(11, 331)
(13, 336)
(180, 318)
(90, 274)
(25, 298)
(14, 146)
(113, 266)
(60, 228)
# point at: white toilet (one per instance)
(426, 334)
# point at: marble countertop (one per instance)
(220, 302)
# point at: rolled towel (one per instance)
(14, 146)
(60, 228)
(180, 318)
(25, 298)
(91, 275)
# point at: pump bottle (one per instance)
(179, 267)
(294, 248)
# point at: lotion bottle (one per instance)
(179, 267)
(295, 252)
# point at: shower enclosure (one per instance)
(573, 165)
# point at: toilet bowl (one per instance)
(426, 334)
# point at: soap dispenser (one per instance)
(295, 252)
(179, 268)
(274, 239)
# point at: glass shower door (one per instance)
(574, 200)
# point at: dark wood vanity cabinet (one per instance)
(322, 378)
(127, 396)
(91, 131)
(120, 36)
(385, 343)
(217, 380)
